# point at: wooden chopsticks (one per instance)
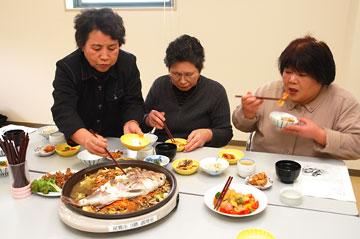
(261, 97)
(171, 137)
(223, 192)
(107, 151)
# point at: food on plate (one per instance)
(236, 203)
(186, 164)
(281, 101)
(258, 179)
(109, 191)
(179, 142)
(51, 182)
(116, 154)
(49, 148)
(68, 148)
(3, 164)
(228, 156)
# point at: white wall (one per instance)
(242, 40)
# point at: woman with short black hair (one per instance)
(329, 115)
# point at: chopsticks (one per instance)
(107, 151)
(171, 137)
(261, 97)
(223, 192)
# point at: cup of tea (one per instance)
(143, 153)
(246, 167)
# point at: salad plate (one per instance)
(239, 188)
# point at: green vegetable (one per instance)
(44, 186)
(217, 195)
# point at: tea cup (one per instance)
(246, 167)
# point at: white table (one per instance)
(315, 218)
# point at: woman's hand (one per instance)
(94, 144)
(308, 129)
(250, 104)
(197, 139)
(132, 127)
(155, 119)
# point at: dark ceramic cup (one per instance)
(166, 149)
(287, 170)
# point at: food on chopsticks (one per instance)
(236, 203)
(258, 179)
(109, 191)
(281, 101)
(51, 182)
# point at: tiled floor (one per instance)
(354, 180)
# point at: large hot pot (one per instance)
(93, 222)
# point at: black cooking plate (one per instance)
(66, 191)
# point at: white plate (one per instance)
(240, 188)
(52, 194)
(39, 151)
(266, 186)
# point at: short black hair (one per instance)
(185, 48)
(104, 20)
(307, 55)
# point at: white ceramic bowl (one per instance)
(157, 159)
(151, 137)
(88, 158)
(57, 138)
(47, 130)
(213, 165)
(291, 196)
(282, 119)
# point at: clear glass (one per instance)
(19, 175)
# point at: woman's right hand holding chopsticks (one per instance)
(94, 144)
(250, 104)
(155, 119)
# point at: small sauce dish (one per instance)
(291, 196)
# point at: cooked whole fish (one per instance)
(135, 183)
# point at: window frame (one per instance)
(78, 4)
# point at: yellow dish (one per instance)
(255, 233)
(134, 141)
(180, 143)
(185, 166)
(231, 155)
(66, 150)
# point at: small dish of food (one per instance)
(158, 159)
(4, 169)
(179, 142)
(47, 130)
(213, 165)
(282, 119)
(88, 158)
(45, 150)
(185, 166)
(259, 180)
(134, 141)
(50, 184)
(231, 155)
(66, 150)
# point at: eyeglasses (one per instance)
(187, 75)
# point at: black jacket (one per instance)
(84, 98)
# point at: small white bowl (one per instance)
(282, 119)
(157, 159)
(214, 166)
(47, 130)
(45, 150)
(151, 137)
(88, 158)
(291, 196)
(57, 138)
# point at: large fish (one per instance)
(135, 183)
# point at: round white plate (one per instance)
(240, 188)
(266, 186)
(39, 151)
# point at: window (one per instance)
(73, 4)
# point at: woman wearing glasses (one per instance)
(193, 106)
